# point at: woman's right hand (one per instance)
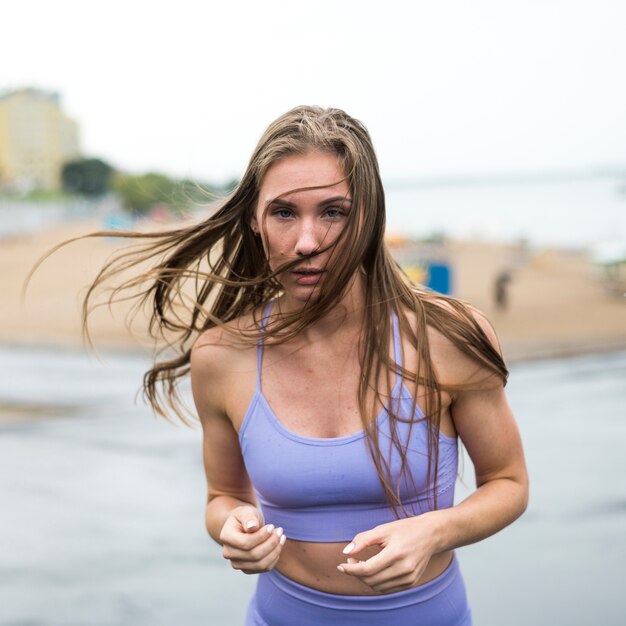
(249, 545)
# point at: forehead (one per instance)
(312, 169)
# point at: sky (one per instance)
(446, 87)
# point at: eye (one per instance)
(283, 213)
(334, 212)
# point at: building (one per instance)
(36, 139)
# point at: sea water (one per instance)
(549, 212)
(565, 212)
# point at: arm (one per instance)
(486, 426)
(488, 430)
(231, 516)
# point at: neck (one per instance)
(346, 315)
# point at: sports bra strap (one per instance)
(259, 343)
(397, 345)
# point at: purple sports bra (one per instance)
(327, 489)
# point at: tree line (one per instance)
(138, 193)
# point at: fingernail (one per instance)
(279, 531)
(283, 539)
(343, 571)
(352, 561)
(270, 528)
(348, 548)
(251, 523)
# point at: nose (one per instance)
(309, 238)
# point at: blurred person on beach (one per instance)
(331, 390)
(501, 290)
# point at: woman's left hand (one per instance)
(407, 546)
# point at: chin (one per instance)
(307, 298)
(303, 296)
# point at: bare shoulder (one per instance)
(218, 343)
(216, 346)
(454, 360)
(218, 357)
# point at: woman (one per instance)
(331, 391)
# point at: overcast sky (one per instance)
(446, 87)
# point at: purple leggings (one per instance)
(280, 601)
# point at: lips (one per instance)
(308, 275)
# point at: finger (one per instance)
(393, 585)
(236, 538)
(277, 555)
(396, 575)
(364, 540)
(252, 524)
(242, 520)
(368, 568)
(250, 518)
(252, 547)
(270, 561)
(266, 563)
(391, 576)
(245, 550)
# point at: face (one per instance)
(297, 224)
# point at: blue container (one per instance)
(440, 278)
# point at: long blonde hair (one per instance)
(215, 271)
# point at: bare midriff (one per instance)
(315, 565)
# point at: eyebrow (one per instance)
(291, 205)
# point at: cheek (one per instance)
(277, 238)
(274, 247)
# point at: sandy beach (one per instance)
(556, 303)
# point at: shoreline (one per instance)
(556, 305)
(513, 354)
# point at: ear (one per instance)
(254, 225)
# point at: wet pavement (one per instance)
(101, 504)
